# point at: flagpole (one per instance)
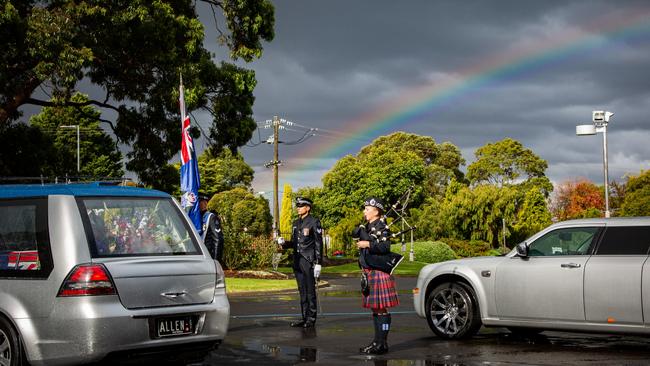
(190, 177)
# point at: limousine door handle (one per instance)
(570, 265)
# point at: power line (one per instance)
(324, 131)
(207, 137)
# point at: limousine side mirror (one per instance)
(522, 250)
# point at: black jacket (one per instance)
(306, 239)
(213, 235)
(378, 256)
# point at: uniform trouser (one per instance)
(304, 272)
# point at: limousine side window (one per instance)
(24, 240)
(625, 240)
(567, 241)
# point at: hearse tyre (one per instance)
(10, 350)
(452, 311)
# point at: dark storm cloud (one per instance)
(333, 61)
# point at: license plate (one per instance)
(176, 326)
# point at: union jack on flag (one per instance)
(190, 179)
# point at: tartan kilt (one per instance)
(382, 290)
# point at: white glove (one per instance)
(317, 271)
(281, 240)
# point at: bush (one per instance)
(433, 252)
(468, 248)
(243, 251)
(341, 234)
(494, 252)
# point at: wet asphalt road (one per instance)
(259, 335)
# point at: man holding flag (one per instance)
(190, 179)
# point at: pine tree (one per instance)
(286, 212)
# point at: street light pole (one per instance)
(606, 169)
(78, 155)
(600, 120)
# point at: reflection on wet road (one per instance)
(259, 334)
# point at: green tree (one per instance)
(223, 171)
(24, 150)
(426, 219)
(242, 211)
(533, 215)
(477, 213)
(637, 195)
(383, 172)
(134, 51)
(442, 161)
(99, 155)
(286, 213)
(504, 162)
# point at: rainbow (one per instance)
(415, 103)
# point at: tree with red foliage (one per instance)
(578, 198)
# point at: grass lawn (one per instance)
(405, 268)
(235, 285)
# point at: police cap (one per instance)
(203, 196)
(302, 201)
(374, 202)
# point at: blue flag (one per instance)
(190, 179)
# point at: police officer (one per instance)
(307, 244)
(211, 231)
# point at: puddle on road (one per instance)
(313, 354)
(381, 362)
(284, 353)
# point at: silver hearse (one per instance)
(588, 275)
(89, 271)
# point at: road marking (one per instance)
(297, 314)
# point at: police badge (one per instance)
(305, 231)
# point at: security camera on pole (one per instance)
(600, 120)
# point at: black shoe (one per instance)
(374, 349)
(308, 324)
(299, 324)
(366, 348)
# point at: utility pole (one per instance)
(276, 162)
(280, 124)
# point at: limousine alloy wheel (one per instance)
(9, 345)
(452, 311)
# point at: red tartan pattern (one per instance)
(382, 291)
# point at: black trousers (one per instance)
(304, 272)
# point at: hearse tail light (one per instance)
(221, 277)
(87, 280)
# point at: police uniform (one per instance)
(211, 232)
(213, 235)
(377, 263)
(307, 244)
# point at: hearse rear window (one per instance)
(24, 239)
(136, 227)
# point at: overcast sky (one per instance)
(332, 62)
(543, 66)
